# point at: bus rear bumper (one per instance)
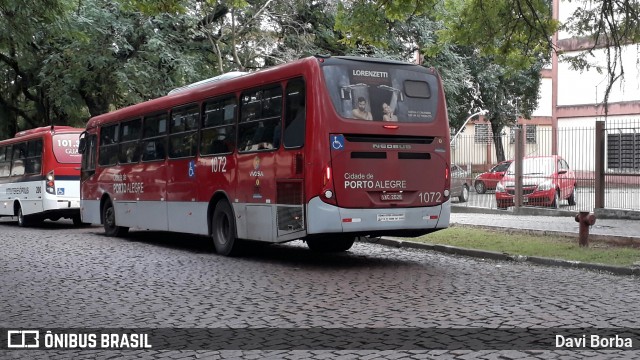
(327, 218)
(68, 204)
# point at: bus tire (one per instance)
(223, 229)
(109, 216)
(337, 243)
(23, 220)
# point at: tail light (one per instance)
(327, 175)
(51, 183)
(447, 180)
(327, 195)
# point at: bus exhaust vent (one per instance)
(389, 139)
(368, 155)
(414, 156)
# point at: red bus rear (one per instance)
(39, 175)
(296, 151)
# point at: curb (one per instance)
(483, 254)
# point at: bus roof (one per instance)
(229, 84)
(41, 130)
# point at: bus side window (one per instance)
(294, 126)
(257, 133)
(5, 162)
(34, 157)
(183, 137)
(129, 135)
(218, 130)
(154, 134)
(108, 151)
(17, 159)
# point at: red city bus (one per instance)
(322, 149)
(39, 175)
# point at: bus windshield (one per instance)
(65, 148)
(370, 91)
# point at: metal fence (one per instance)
(616, 178)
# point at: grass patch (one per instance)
(532, 245)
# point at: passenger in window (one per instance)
(130, 155)
(361, 111)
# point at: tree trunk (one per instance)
(497, 142)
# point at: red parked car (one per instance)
(546, 181)
(489, 179)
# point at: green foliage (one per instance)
(512, 32)
(111, 57)
(362, 22)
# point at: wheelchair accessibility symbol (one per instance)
(192, 168)
(60, 191)
(337, 142)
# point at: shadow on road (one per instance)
(293, 253)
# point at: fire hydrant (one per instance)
(585, 219)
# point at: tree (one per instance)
(472, 80)
(512, 32)
(24, 27)
(112, 57)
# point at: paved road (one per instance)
(58, 276)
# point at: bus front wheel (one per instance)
(223, 229)
(110, 226)
(335, 243)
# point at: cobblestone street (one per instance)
(58, 276)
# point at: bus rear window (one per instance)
(417, 89)
(377, 92)
(65, 148)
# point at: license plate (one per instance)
(391, 197)
(390, 217)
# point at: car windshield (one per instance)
(535, 166)
(501, 167)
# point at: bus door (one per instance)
(183, 210)
(290, 138)
(150, 174)
(258, 124)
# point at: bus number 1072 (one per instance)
(430, 197)
(219, 164)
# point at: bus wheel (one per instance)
(331, 243)
(22, 219)
(223, 229)
(110, 226)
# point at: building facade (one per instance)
(570, 103)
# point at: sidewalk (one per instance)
(624, 232)
(614, 230)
